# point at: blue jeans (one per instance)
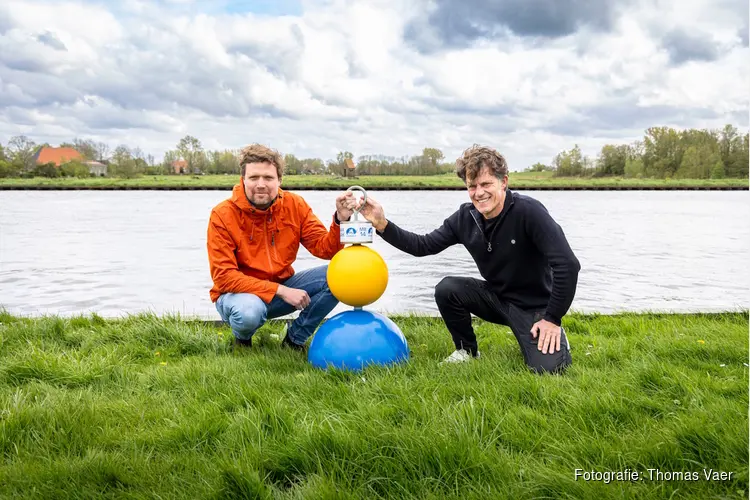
(246, 312)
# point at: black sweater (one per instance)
(526, 259)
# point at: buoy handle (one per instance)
(364, 200)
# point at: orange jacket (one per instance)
(252, 250)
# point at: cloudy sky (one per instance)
(313, 77)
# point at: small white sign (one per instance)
(357, 231)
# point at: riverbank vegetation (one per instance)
(518, 180)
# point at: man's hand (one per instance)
(294, 297)
(549, 336)
(344, 204)
(372, 211)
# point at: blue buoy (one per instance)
(352, 340)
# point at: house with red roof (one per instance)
(349, 168)
(61, 156)
(181, 167)
(58, 156)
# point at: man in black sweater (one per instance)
(530, 272)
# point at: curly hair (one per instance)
(476, 157)
(258, 153)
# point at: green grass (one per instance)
(161, 407)
(518, 180)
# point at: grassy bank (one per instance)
(519, 180)
(164, 408)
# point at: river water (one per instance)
(121, 252)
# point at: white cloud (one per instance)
(345, 75)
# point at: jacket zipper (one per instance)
(273, 239)
(497, 224)
(489, 243)
(268, 250)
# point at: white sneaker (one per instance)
(459, 356)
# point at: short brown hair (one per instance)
(476, 157)
(258, 153)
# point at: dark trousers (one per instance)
(458, 298)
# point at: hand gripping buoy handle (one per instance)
(364, 200)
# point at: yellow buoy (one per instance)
(357, 275)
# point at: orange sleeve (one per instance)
(223, 265)
(319, 241)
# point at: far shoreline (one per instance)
(376, 188)
(520, 181)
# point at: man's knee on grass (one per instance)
(553, 363)
(247, 316)
(446, 289)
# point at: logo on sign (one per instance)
(351, 231)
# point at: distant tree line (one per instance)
(662, 153)
(190, 157)
(196, 159)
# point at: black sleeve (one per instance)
(421, 245)
(549, 238)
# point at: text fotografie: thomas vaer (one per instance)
(653, 475)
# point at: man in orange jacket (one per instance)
(253, 239)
